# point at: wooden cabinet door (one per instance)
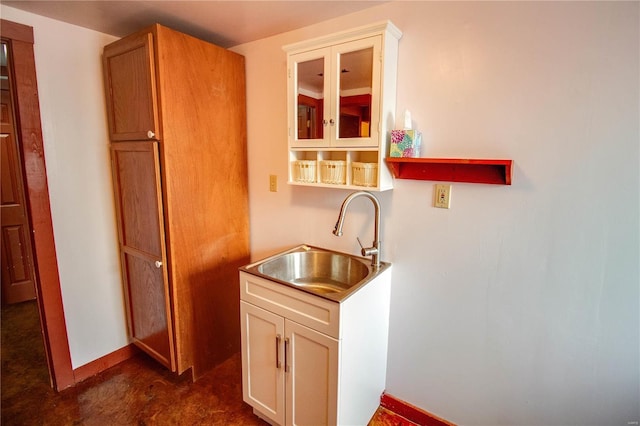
(130, 84)
(262, 339)
(312, 377)
(136, 178)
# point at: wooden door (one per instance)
(18, 272)
(130, 83)
(262, 339)
(312, 377)
(49, 296)
(136, 177)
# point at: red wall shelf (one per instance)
(452, 169)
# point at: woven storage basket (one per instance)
(304, 171)
(365, 174)
(333, 171)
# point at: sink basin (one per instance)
(326, 273)
(323, 271)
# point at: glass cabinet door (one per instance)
(357, 92)
(310, 92)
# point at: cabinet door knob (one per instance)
(325, 122)
(158, 264)
(150, 134)
(332, 122)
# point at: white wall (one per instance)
(519, 305)
(72, 106)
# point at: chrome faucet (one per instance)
(374, 251)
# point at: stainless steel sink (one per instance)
(326, 273)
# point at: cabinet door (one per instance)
(312, 379)
(263, 361)
(130, 85)
(309, 90)
(356, 88)
(136, 177)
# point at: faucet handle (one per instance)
(367, 251)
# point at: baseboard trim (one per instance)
(99, 365)
(411, 412)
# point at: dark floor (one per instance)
(136, 392)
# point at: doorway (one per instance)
(24, 364)
(21, 69)
(18, 271)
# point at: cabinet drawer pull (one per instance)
(286, 350)
(158, 264)
(150, 134)
(278, 339)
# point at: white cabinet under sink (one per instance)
(307, 360)
(305, 379)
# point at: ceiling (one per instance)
(225, 23)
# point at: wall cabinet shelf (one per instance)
(341, 106)
(497, 172)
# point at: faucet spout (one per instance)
(375, 250)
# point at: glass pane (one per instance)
(4, 53)
(356, 71)
(310, 99)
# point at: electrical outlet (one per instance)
(442, 196)
(273, 183)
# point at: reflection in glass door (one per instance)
(356, 75)
(310, 99)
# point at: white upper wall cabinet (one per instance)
(341, 107)
(334, 103)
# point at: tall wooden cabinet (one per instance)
(177, 125)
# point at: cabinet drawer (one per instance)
(314, 312)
